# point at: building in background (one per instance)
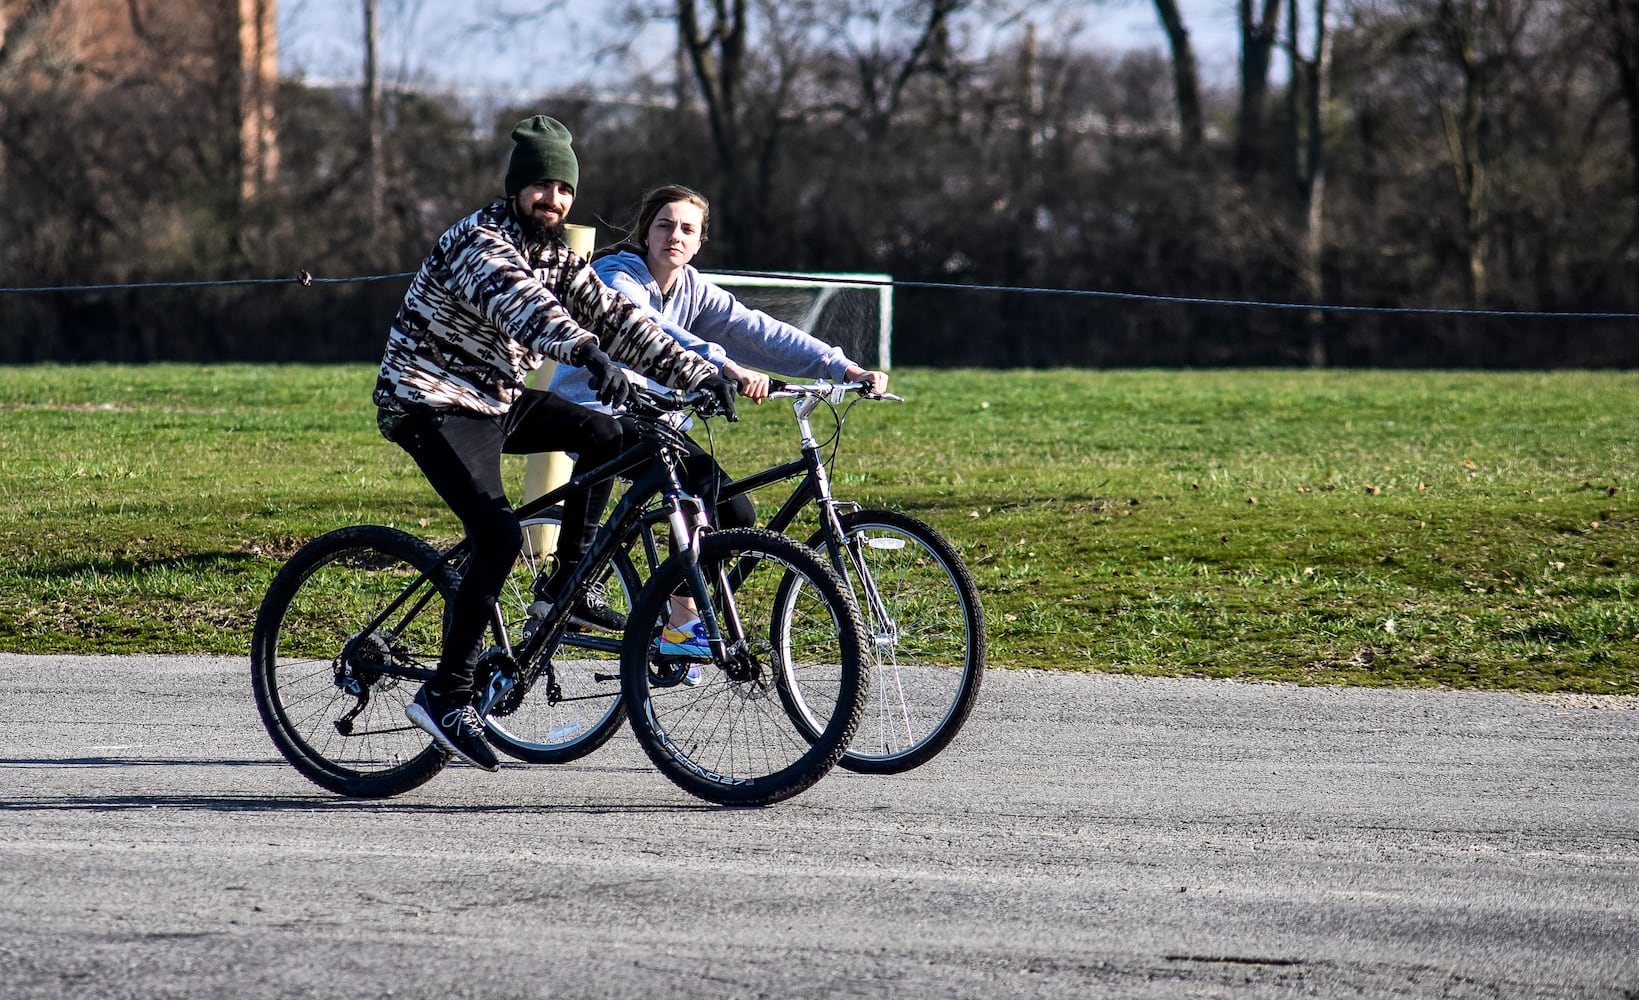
(219, 56)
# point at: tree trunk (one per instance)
(1257, 50)
(717, 53)
(1311, 82)
(1186, 74)
(374, 173)
(1462, 126)
(1623, 43)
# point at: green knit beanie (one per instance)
(541, 152)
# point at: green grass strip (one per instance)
(1471, 530)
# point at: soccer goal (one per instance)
(852, 311)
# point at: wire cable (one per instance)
(305, 279)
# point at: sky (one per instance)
(456, 45)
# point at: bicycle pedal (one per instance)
(669, 673)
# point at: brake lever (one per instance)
(864, 390)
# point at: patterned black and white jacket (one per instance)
(488, 307)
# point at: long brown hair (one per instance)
(637, 231)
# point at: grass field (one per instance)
(1473, 530)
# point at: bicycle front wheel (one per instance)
(572, 703)
(724, 733)
(349, 629)
(925, 639)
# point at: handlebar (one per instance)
(834, 392)
(656, 403)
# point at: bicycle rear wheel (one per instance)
(349, 629)
(925, 639)
(729, 738)
(572, 705)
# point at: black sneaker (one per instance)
(591, 610)
(457, 731)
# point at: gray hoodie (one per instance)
(709, 321)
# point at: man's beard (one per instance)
(539, 232)
(536, 231)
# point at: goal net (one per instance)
(852, 311)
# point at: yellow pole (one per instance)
(545, 472)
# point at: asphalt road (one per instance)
(1087, 836)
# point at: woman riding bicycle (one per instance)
(652, 267)
(500, 292)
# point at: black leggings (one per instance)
(460, 454)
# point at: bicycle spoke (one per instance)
(735, 737)
(331, 678)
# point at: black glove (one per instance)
(614, 389)
(723, 390)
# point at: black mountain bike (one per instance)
(353, 625)
(923, 619)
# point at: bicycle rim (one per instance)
(330, 686)
(730, 738)
(573, 707)
(925, 640)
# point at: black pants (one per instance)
(460, 454)
(701, 475)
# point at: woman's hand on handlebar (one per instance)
(876, 382)
(753, 384)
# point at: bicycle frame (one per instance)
(653, 465)
(814, 486)
(660, 448)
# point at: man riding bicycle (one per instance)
(498, 294)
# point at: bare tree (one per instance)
(1310, 90)
(1479, 41)
(1258, 27)
(752, 102)
(23, 43)
(20, 31)
(1618, 21)
(886, 63)
(374, 169)
(713, 36)
(1186, 74)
